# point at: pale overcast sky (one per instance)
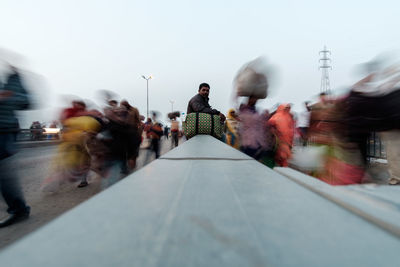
(82, 46)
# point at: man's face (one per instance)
(204, 91)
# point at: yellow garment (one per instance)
(72, 152)
(77, 126)
(232, 130)
(71, 155)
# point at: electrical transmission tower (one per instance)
(325, 66)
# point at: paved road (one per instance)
(32, 166)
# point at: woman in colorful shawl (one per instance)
(232, 129)
(283, 125)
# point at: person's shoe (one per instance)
(83, 184)
(14, 218)
(394, 181)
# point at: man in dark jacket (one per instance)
(12, 97)
(199, 103)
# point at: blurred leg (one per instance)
(176, 139)
(156, 147)
(10, 188)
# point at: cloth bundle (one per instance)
(252, 80)
(202, 123)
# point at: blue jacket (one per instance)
(19, 100)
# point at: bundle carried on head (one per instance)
(173, 115)
(252, 79)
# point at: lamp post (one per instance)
(147, 80)
(172, 105)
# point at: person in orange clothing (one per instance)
(282, 124)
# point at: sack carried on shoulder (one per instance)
(202, 123)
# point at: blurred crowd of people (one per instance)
(336, 129)
(331, 135)
(107, 142)
(332, 147)
(334, 132)
(264, 136)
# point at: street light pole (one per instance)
(172, 105)
(147, 80)
(147, 109)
